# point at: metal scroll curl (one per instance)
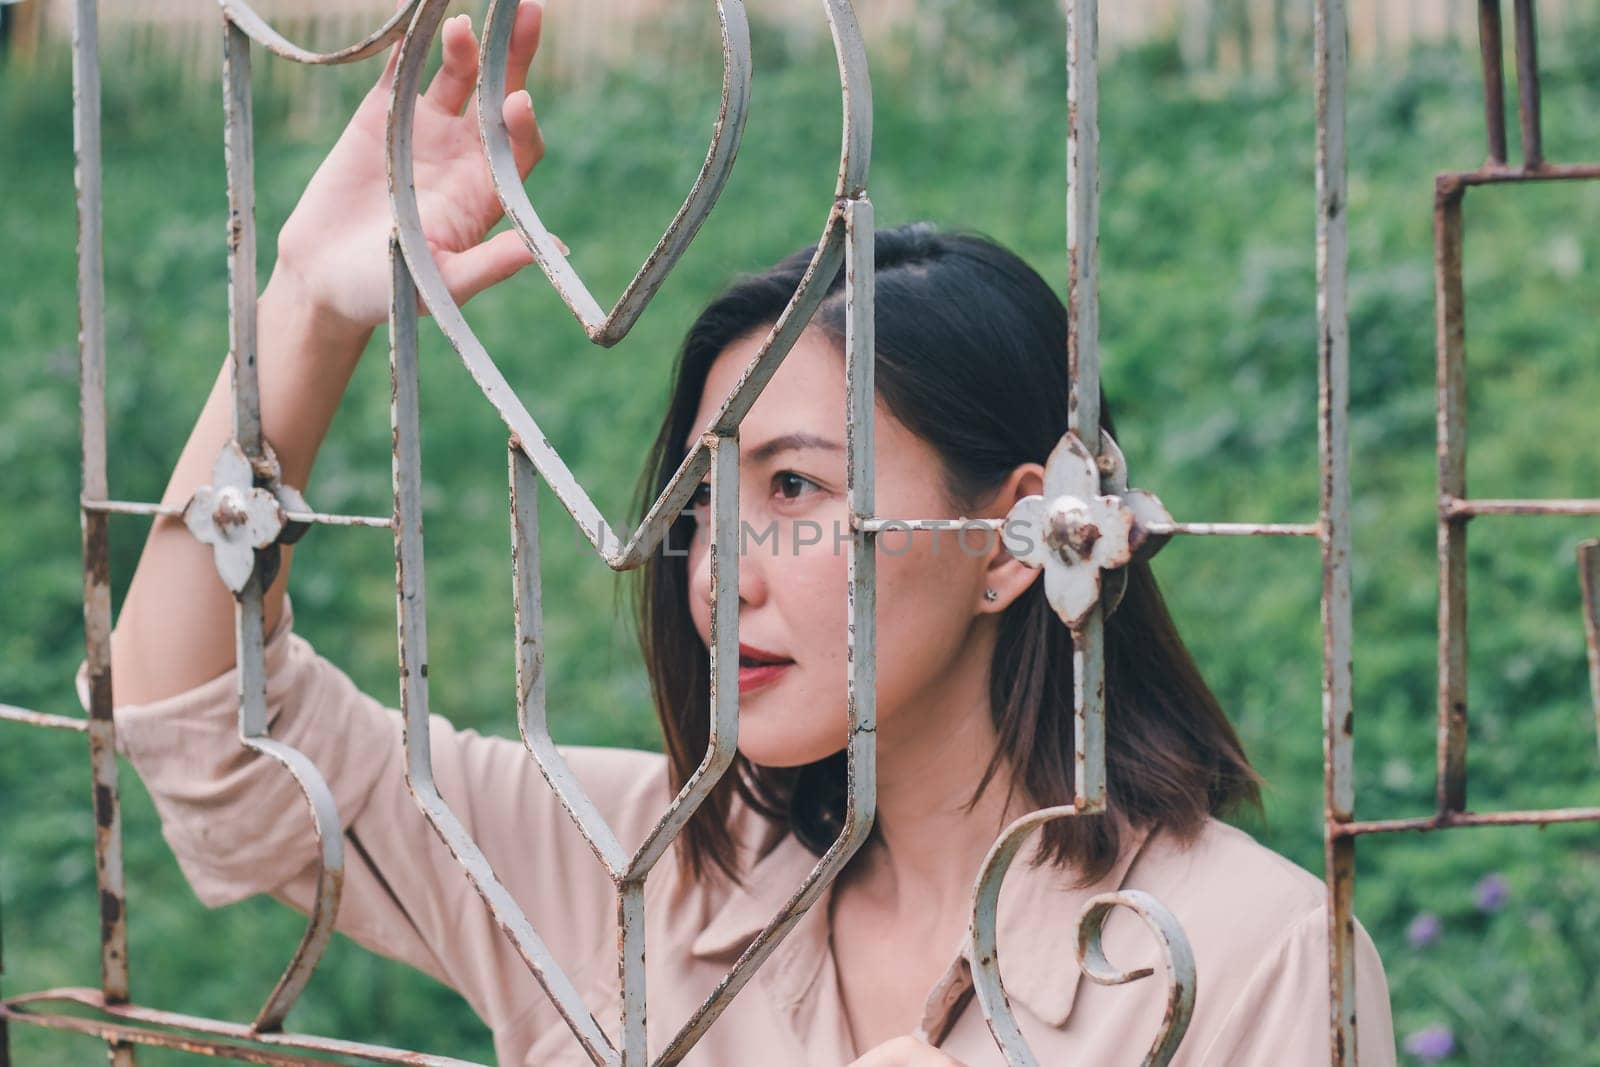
(846, 243)
(1178, 957)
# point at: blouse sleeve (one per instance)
(1281, 1015)
(238, 824)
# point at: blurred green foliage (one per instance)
(1209, 335)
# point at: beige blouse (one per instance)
(239, 826)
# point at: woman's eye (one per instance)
(791, 486)
(787, 485)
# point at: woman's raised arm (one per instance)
(328, 291)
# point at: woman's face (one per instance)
(793, 564)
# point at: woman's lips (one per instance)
(757, 675)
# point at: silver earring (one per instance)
(990, 595)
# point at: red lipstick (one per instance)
(758, 667)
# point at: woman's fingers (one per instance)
(525, 31)
(458, 72)
(468, 273)
(527, 142)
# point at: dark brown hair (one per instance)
(971, 356)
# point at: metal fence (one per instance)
(1093, 524)
(1227, 37)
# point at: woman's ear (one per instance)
(1005, 577)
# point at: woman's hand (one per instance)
(333, 249)
(905, 1052)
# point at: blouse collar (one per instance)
(1037, 925)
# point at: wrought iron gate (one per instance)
(1094, 525)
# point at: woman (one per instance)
(974, 688)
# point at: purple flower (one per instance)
(1431, 1044)
(1491, 893)
(1424, 930)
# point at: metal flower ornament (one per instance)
(1086, 523)
(242, 512)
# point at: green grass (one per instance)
(1209, 333)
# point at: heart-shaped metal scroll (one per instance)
(607, 328)
(620, 554)
(985, 952)
(847, 235)
(244, 16)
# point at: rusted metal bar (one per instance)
(1454, 509)
(313, 518)
(1454, 819)
(100, 726)
(11, 713)
(1491, 47)
(129, 1024)
(1085, 489)
(1528, 85)
(1548, 172)
(1163, 529)
(1083, 369)
(1589, 580)
(1451, 387)
(249, 623)
(1333, 445)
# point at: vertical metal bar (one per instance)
(1494, 79)
(1083, 367)
(725, 541)
(1333, 438)
(630, 972)
(240, 155)
(1528, 85)
(249, 619)
(101, 727)
(860, 346)
(1589, 578)
(1083, 220)
(1451, 384)
(239, 148)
